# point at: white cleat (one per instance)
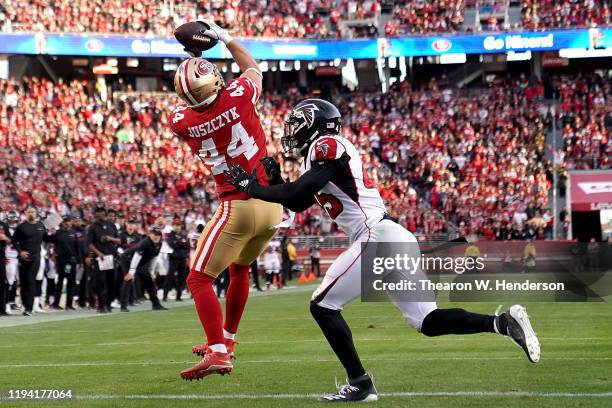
(521, 332)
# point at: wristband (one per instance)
(256, 70)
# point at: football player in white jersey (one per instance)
(333, 177)
(12, 258)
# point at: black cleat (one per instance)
(363, 391)
(518, 329)
(159, 307)
(125, 309)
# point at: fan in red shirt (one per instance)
(222, 127)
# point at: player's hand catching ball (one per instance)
(273, 170)
(200, 35)
(215, 32)
(240, 179)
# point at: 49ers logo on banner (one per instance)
(204, 68)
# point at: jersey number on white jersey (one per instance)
(330, 204)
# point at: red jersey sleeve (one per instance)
(176, 119)
(244, 88)
(326, 148)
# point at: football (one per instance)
(191, 36)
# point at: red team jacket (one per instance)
(226, 132)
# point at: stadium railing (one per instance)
(343, 241)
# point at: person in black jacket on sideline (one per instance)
(67, 253)
(103, 240)
(177, 265)
(27, 240)
(138, 261)
(130, 237)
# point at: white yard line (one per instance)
(285, 361)
(134, 343)
(401, 394)
(318, 340)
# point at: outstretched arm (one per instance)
(299, 194)
(296, 196)
(241, 56)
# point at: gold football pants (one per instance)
(238, 232)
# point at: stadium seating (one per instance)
(585, 114)
(564, 14)
(296, 18)
(432, 173)
(421, 17)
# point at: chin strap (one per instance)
(304, 149)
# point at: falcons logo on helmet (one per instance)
(307, 112)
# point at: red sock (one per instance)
(237, 295)
(207, 306)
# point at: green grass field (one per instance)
(133, 360)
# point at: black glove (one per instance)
(273, 170)
(240, 179)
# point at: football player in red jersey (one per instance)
(220, 124)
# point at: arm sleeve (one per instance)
(246, 89)
(135, 261)
(298, 195)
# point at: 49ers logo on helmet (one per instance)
(204, 68)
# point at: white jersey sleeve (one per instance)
(350, 198)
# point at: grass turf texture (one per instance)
(133, 360)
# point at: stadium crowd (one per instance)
(64, 149)
(288, 19)
(586, 113)
(425, 17)
(538, 14)
(297, 18)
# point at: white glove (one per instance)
(217, 32)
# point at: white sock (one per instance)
(228, 335)
(495, 325)
(218, 348)
(37, 301)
